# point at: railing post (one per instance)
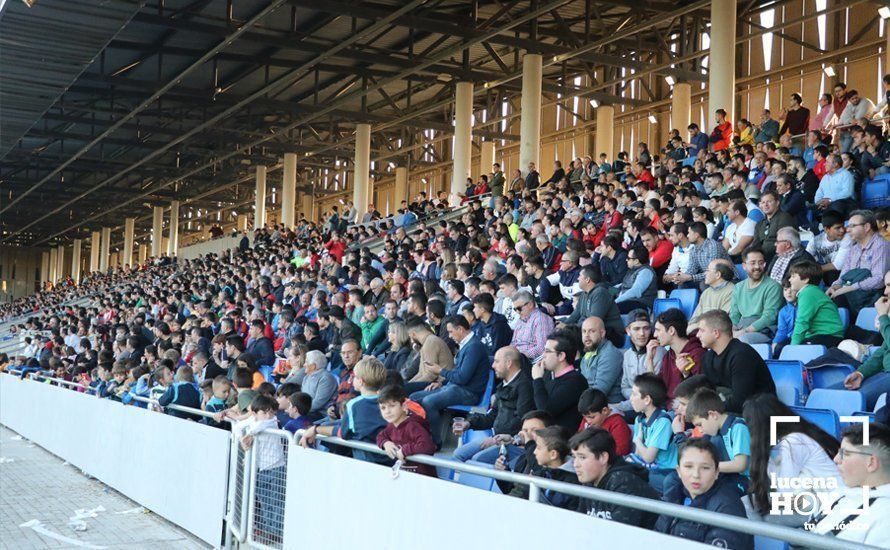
(534, 492)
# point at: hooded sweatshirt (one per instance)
(413, 436)
(629, 479)
(671, 375)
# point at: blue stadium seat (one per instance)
(788, 374)
(485, 403)
(842, 402)
(870, 415)
(740, 271)
(845, 317)
(766, 543)
(764, 350)
(788, 395)
(627, 342)
(828, 376)
(876, 192)
(803, 353)
(866, 318)
(663, 304)
(824, 418)
(688, 299)
(473, 480)
(266, 371)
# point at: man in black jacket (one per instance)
(512, 399)
(735, 369)
(597, 465)
(558, 392)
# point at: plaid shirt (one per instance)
(701, 255)
(530, 335)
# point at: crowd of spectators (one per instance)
(541, 295)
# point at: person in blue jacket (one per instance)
(494, 331)
(464, 384)
(704, 489)
(787, 316)
(183, 392)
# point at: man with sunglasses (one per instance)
(864, 464)
(530, 334)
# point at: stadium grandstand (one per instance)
(302, 274)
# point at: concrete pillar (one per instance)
(486, 158)
(681, 106)
(308, 207)
(463, 138)
(289, 190)
(721, 63)
(605, 131)
(105, 251)
(259, 214)
(401, 190)
(75, 261)
(44, 268)
(361, 182)
(60, 258)
(53, 265)
(242, 222)
(173, 243)
(157, 230)
(143, 253)
(530, 115)
(95, 248)
(129, 230)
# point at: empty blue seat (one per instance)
(688, 299)
(845, 317)
(843, 402)
(828, 376)
(788, 395)
(627, 342)
(870, 415)
(788, 374)
(876, 192)
(866, 318)
(663, 304)
(740, 271)
(484, 403)
(823, 418)
(766, 543)
(803, 352)
(764, 350)
(475, 480)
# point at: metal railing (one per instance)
(536, 484)
(255, 509)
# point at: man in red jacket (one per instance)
(722, 132)
(336, 247)
(684, 355)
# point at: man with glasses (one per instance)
(861, 279)
(755, 302)
(872, 378)
(639, 287)
(556, 385)
(534, 325)
(865, 468)
(788, 253)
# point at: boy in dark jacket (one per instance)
(405, 434)
(182, 392)
(494, 331)
(551, 452)
(703, 489)
(597, 465)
